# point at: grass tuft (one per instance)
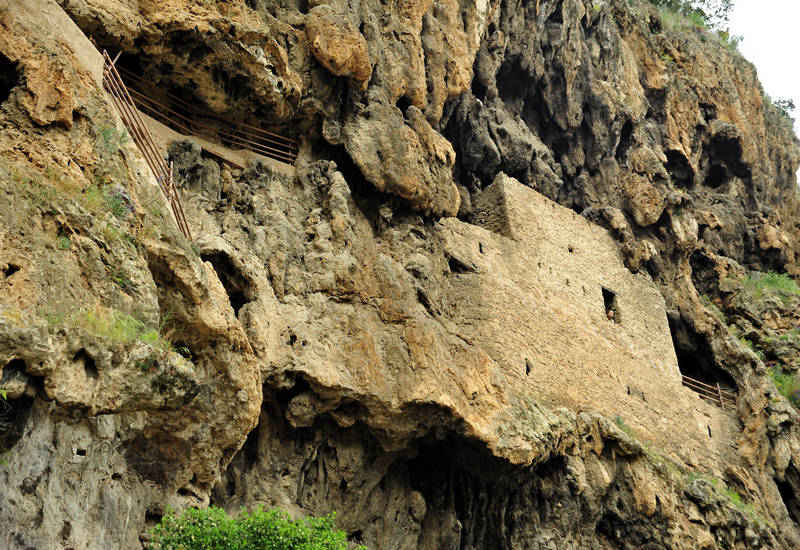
(787, 383)
(764, 284)
(110, 324)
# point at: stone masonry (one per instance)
(557, 343)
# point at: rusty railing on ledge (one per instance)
(143, 140)
(715, 393)
(192, 120)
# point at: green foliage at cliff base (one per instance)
(212, 529)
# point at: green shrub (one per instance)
(761, 284)
(706, 13)
(708, 17)
(787, 383)
(212, 529)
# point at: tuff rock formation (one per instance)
(326, 342)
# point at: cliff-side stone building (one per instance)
(544, 279)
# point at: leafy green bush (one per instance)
(785, 106)
(212, 529)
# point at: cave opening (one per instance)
(679, 169)
(12, 372)
(787, 494)
(479, 89)
(284, 396)
(14, 415)
(488, 501)
(236, 285)
(251, 445)
(696, 358)
(83, 359)
(356, 537)
(9, 77)
(152, 517)
(403, 103)
(513, 80)
(709, 111)
(9, 270)
(716, 176)
(726, 152)
(625, 141)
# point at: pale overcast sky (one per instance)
(771, 29)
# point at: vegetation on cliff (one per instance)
(212, 529)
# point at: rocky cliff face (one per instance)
(309, 350)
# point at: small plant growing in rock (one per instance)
(110, 324)
(624, 427)
(119, 278)
(787, 383)
(212, 528)
(118, 201)
(751, 346)
(63, 242)
(149, 364)
(712, 307)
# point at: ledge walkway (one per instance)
(183, 118)
(141, 114)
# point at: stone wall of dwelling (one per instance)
(538, 277)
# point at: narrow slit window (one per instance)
(611, 306)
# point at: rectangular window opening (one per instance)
(611, 306)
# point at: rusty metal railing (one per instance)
(715, 393)
(191, 119)
(144, 140)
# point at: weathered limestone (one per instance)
(339, 47)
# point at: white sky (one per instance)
(771, 40)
